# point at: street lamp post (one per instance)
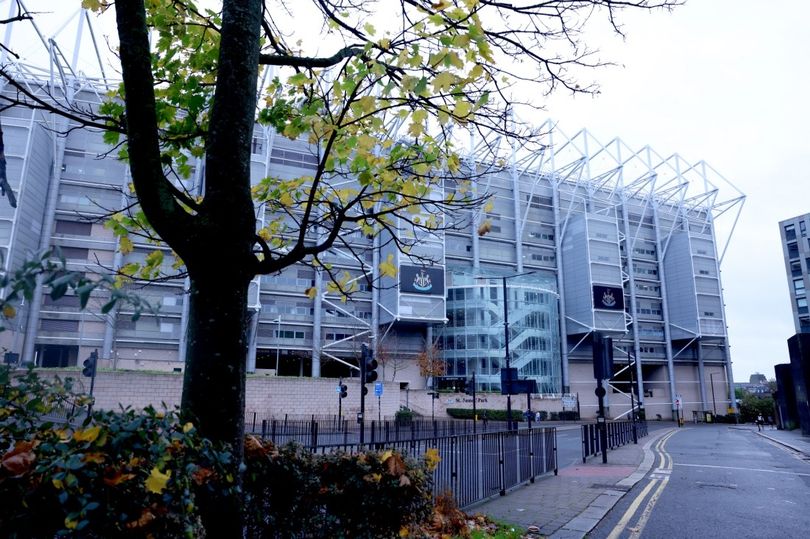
(506, 346)
(508, 365)
(714, 403)
(278, 342)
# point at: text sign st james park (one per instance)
(421, 280)
(609, 298)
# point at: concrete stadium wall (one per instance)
(271, 396)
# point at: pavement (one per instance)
(571, 504)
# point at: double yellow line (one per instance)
(659, 477)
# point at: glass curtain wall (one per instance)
(472, 340)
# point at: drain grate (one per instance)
(621, 488)
(730, 486)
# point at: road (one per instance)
(569, 442)
(715, 481)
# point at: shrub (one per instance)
(568, 415)
(289, 492)
(110, 475)
(404, 415)
(491, 415)
(555, 416)
(128, 474)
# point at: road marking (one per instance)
(645, 516)
(622, 524)
(659, 476)
(740, 468)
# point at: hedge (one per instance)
(140, 474)
(491, 415)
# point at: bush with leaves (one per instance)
(140, 474)
(485, 413)
(289, 492)
(123, 474)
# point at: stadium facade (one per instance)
(582, 237)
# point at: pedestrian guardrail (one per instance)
(475, 467)
(619, 433)
(327, 430)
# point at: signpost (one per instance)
(378, 391)
(678, 404)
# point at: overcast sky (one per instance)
(725, 81)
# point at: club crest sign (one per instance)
(419, 280)
(609, 298)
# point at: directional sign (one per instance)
(378, 389)
(569, 402)
(678, 401)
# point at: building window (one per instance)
(798, 286)
(796, 268)
(790, 232)
(803, 228)
(801, 304)
(793, 250)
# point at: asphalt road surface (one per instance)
(715, 481)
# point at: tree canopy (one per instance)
(385, 94)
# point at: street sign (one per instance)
(678, 401)
(378, 389)
(337, 388)
(569, 402)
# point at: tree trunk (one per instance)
(214, 381)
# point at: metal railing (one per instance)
(475, 467)
(619, 433)
(330, 430)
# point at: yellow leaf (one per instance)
(403, 531)
(387, 268)
(432, 458)
(311, 292)
(187, 427)
(71, 524)
(385, 456)
(57, 484)
(87, 435)
(156, 482)
(443, 81)
(125, 245)
(9, 311)
(462, 109)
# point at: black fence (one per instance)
(329, 430)
(474, 467)
(619, 433)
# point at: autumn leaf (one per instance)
(432, 458)
(146, 517)
(187, 427)
(156, 482)
(9, 311)
(118, 478)
(96, 458)
(395, 465)
(87, 435)
(18, 461)
(202, 475)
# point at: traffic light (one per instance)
(469, 387)
(344, 391)
(602, 357)
(89, 369)
(368, 366)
